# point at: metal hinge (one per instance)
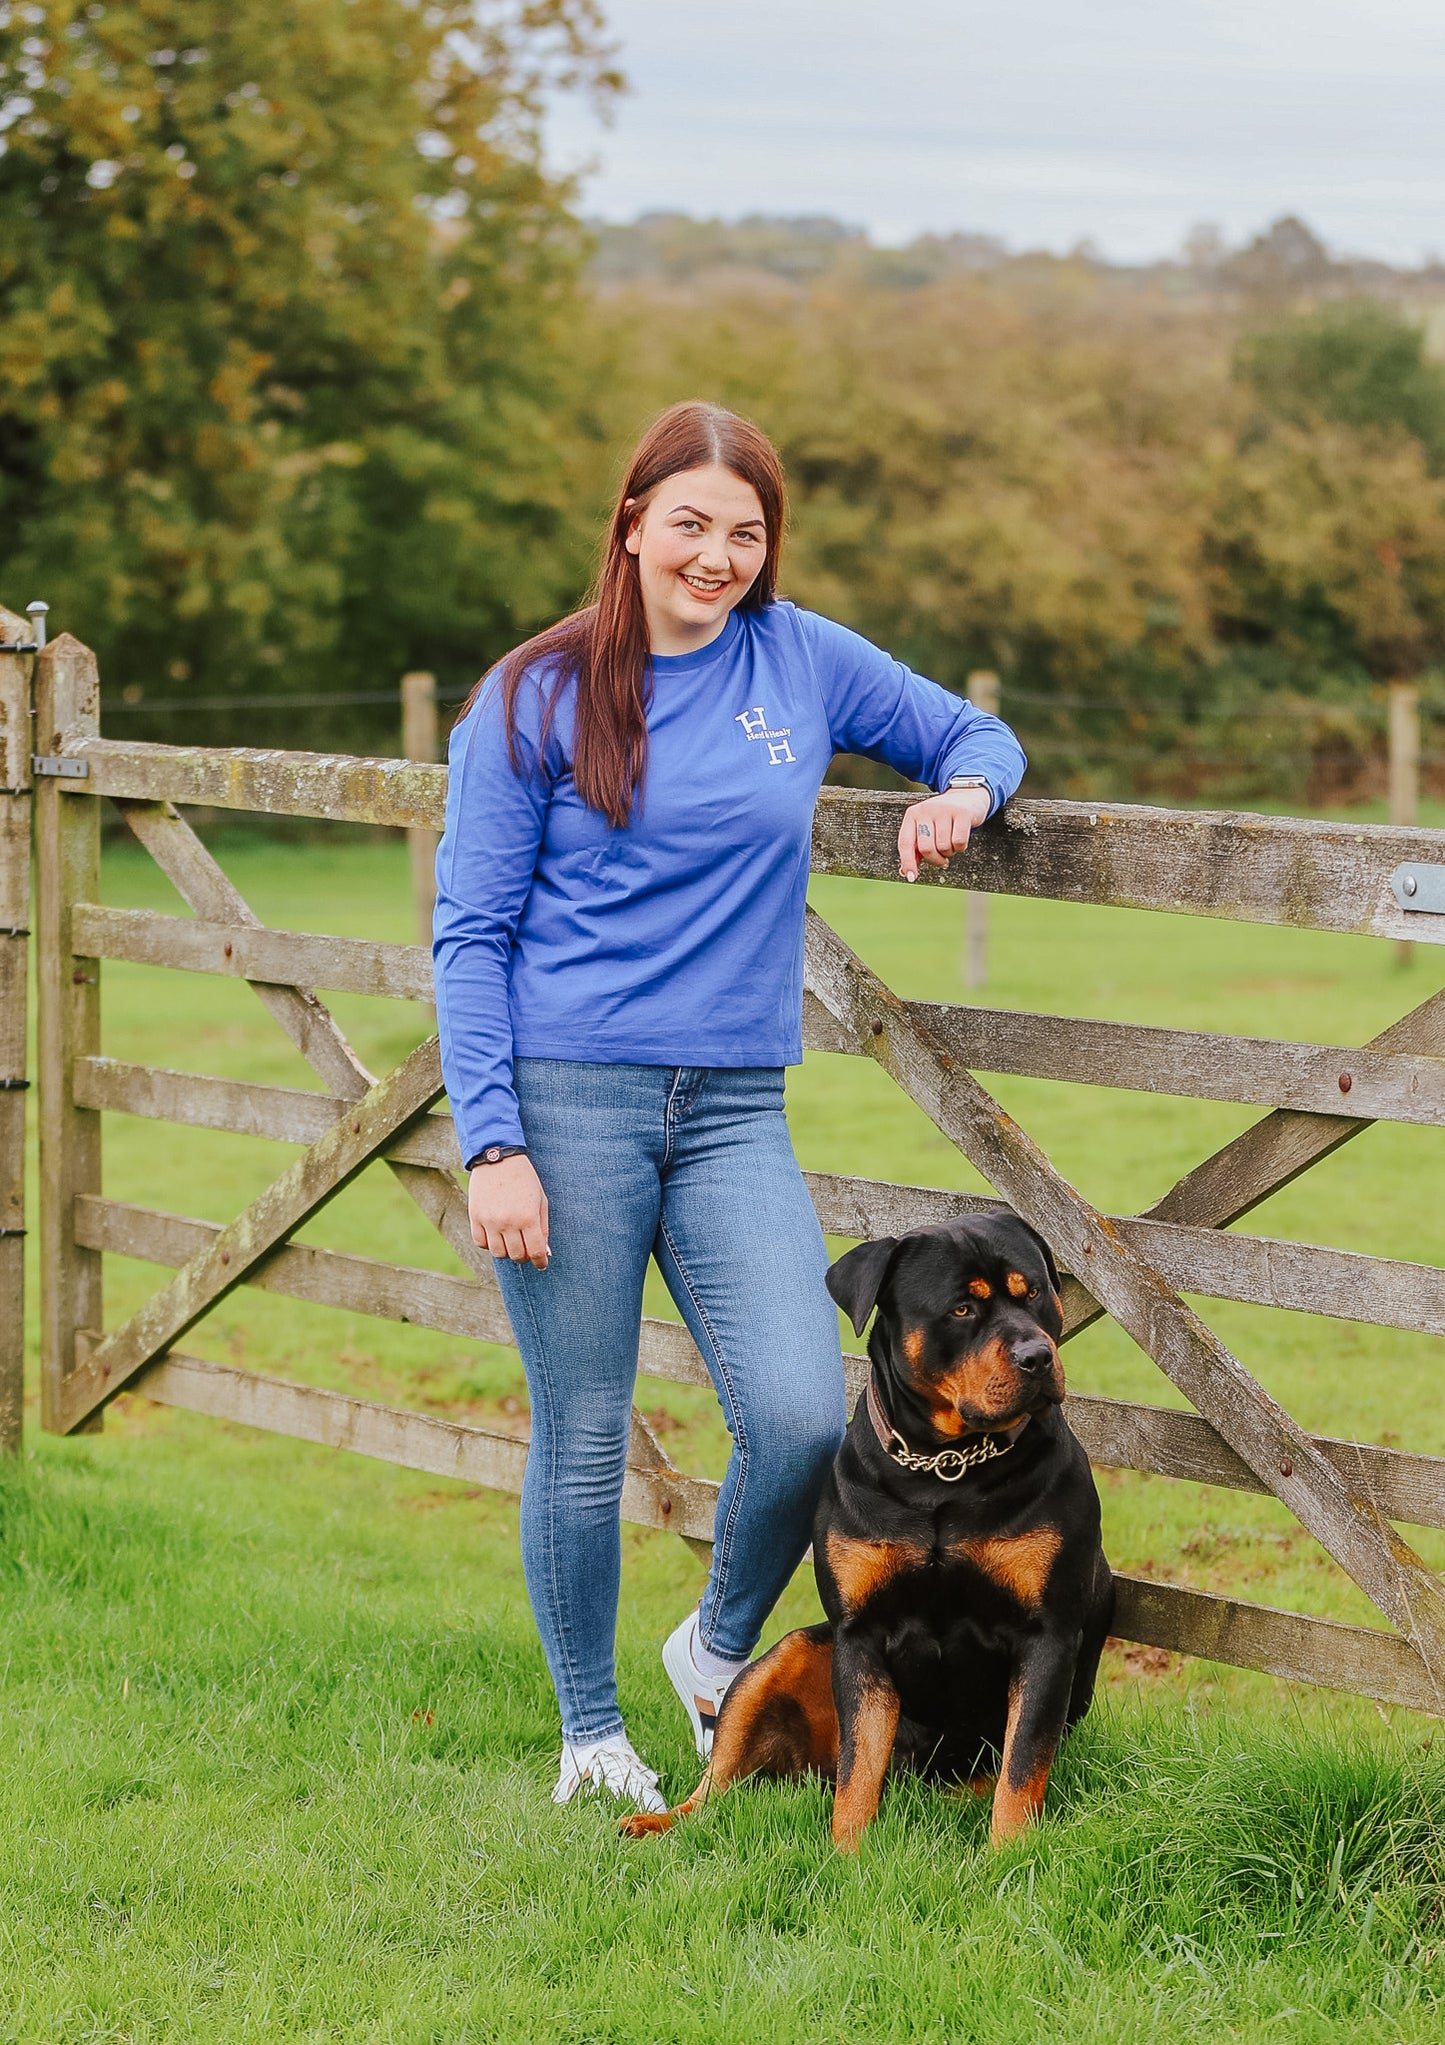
(23, 646)
(12, 1231)
(14, 930)
(58, 767)
(1419, 888)
(13, 1086)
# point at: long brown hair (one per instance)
(604, 646)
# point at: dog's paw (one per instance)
(642, 1823)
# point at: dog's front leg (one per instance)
(867, 1706)
(1038, 1706)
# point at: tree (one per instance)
(1287, 259)
(1356, 364)
(1330, 544)
(975, 483)
(283, 292)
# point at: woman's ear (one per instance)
(854, 1280)
(632, 538)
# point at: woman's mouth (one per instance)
(705, 586)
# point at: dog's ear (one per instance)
(1050, 1266)
(855, 1278)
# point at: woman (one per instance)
(619, 971)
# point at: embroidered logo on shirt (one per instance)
(755, 725)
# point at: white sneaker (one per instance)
(701, 1695)
(609, 1765)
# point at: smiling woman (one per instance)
(691, 557)
(619, 953)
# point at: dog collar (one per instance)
(948, 1465)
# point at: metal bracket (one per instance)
(12, 1231)
(23, 646)
(1418, 888)
(14, 930)
(58, 768)
(13, 1086)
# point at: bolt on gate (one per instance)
(1378, 879)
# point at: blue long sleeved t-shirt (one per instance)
(677, 940)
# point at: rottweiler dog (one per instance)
(956, 1548)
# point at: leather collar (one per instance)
(948, 1465)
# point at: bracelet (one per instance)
(495, 1152)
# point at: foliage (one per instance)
(1151, 530)
(1330, 543)
(298, 389)
(280, 294)
(676, 247)
(1358, 364)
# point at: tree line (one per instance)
(309, 373)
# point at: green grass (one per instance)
(277, 1730)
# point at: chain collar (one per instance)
(948, 1465)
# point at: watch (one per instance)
(495, 1152)
(966, 781)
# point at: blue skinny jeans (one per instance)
(695, 1167)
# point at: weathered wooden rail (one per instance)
(1350, 1495)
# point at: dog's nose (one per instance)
(1035, 1359)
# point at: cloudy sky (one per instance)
(1044, 121)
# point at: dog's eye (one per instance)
(962, 1313)
(1033, 1292)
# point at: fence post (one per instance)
(15, 750)
(67, 846)
(1404, 772)
(982, 691)
(419, 742)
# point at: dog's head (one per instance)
(969, 1319)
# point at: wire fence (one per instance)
(1192, 717)
(143, 705)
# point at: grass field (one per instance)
(277, 1731)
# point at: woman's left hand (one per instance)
(942, 825)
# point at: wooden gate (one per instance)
(1250, 868)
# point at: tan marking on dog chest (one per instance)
(1020, 1562)
(862, 1567)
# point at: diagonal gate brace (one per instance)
(205, 886)
(224, 1262)
(1284, 1459)
(310, 1025)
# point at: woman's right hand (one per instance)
(509, 1211)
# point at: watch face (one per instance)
(494, 1155)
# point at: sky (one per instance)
(1046, 122)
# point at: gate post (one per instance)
(14, 950)
(419, 742)
(67, 845)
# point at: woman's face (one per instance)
(700, 542)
